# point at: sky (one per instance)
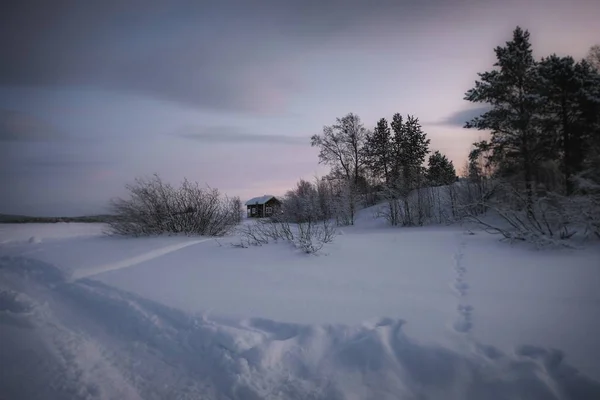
(228, 92)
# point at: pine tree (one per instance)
(397, 125)
(478, 166)
(378, 151)
(590, 105)
(410, 147)
(511, 90)
(568, 110)
(440, 170)
(415, 147)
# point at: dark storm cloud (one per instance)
(227, 134)
(21, 127)
(459, 118)
(228, 54)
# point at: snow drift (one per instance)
(88, 340)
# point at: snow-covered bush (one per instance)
(543, 219)
(155, 207)
(303, 203)
(344, 202)
(430, 205)
(586, 203)
(584, 211)
(326, 199)
(310, 237)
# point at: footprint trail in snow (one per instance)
(463, 322)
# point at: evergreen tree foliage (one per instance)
(544, 121)
(479, 166)
(511, 90)
(379, 151)
(590, 105)
(397, 126)
(410, 146)
(543, 114)
(440, 170)
(568, 111)
(545, 133)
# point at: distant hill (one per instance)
(22, 219)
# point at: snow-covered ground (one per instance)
(415, 313)
(36, 233)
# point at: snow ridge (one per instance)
(113, 344)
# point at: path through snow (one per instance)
(464, 321)
(130, 262)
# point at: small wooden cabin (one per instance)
(263, 206)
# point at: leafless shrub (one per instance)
(155, 207)
(330, 198)
(242, 244)
(471, 197)
(393, 211)
(421, 206)
(308, 236)
(312, 236)
(546, 220)
(583, 211)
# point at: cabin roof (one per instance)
(259, 200)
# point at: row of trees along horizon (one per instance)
(544, 125)
(539, 172)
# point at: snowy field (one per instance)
(381, 313)
(35, 233)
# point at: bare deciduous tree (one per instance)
(593, 57)
(341, 146)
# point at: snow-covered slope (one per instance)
(382, 313)
(95, 341)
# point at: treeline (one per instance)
(391, 163)
(544, 119)
(537, 178)
(539, 172)
(540, 169)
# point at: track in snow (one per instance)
(464, 322)
(130, 262)
(87, 340)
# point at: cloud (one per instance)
(459, 118)
(231, 55)
(227, 134)
(21, 127)
(41, 167)
(62, 162)
(40, 158)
